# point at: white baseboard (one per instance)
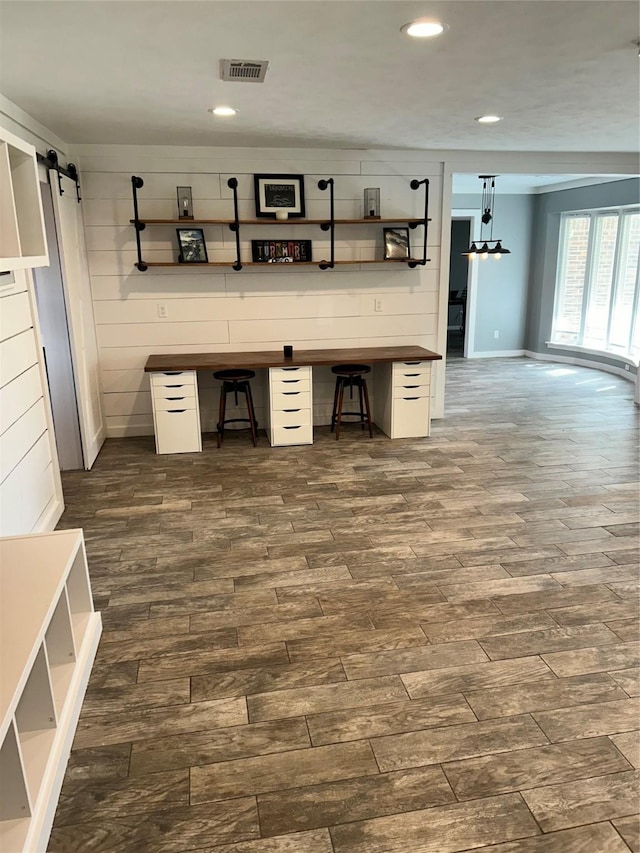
(128, 431)
(582, 362)
(505, 353)
(50, 517)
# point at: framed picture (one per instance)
(279, 194)
(396, 244)
(192, 246)
(280, 251)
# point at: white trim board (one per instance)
(505, 353)
(582, 362)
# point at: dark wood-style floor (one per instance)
(369, 646)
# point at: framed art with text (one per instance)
(280, 251)
(279, 196)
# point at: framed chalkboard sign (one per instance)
(279, 196)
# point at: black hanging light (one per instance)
(488, 246)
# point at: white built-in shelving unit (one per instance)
(23, 243)
(49, 633)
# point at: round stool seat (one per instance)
(351, 369)
(235, 375)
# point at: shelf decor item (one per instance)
(279, 196)
(396, 244)
(280, 251)
(372, 203)
(185, 203)
(192, 246)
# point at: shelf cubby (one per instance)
(60, 652)
(15, 810)
(23, 242)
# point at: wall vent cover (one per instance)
(243, 70)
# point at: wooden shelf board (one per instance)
(293, 221)
(294, 264)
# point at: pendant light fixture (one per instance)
(487, 245)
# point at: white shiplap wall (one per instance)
(218, 309)
(30, 488)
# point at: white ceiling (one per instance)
(563, 73)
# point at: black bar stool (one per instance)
(236, 382)
(351, 376)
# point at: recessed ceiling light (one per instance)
(488, 119)
(223, 111)
(424, 28)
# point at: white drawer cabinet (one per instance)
(176, 412)
(49, 634)
(402, 399)
(289, 418)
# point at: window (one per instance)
(597, 289)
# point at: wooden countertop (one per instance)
(275, 358)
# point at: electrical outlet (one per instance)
(377, 304)
(162, 311)
(496, 334)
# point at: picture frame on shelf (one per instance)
(192, 246)
(280, 251)
(396, 244)
(279, 196)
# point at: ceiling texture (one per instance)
(563, 73)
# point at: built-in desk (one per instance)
(401, 398)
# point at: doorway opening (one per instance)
(458, 287)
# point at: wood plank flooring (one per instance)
(369, 646)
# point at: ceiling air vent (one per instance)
(243, 70)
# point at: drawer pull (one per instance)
(411, 375)
(171, 372)
(411, 398)
(174, 386)
(175, 411)
(289, 368)
(412, 362)
(174, 398)
(410, 386)
(291, 393)
(291, 427)
(292, 410)
(290, 381)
